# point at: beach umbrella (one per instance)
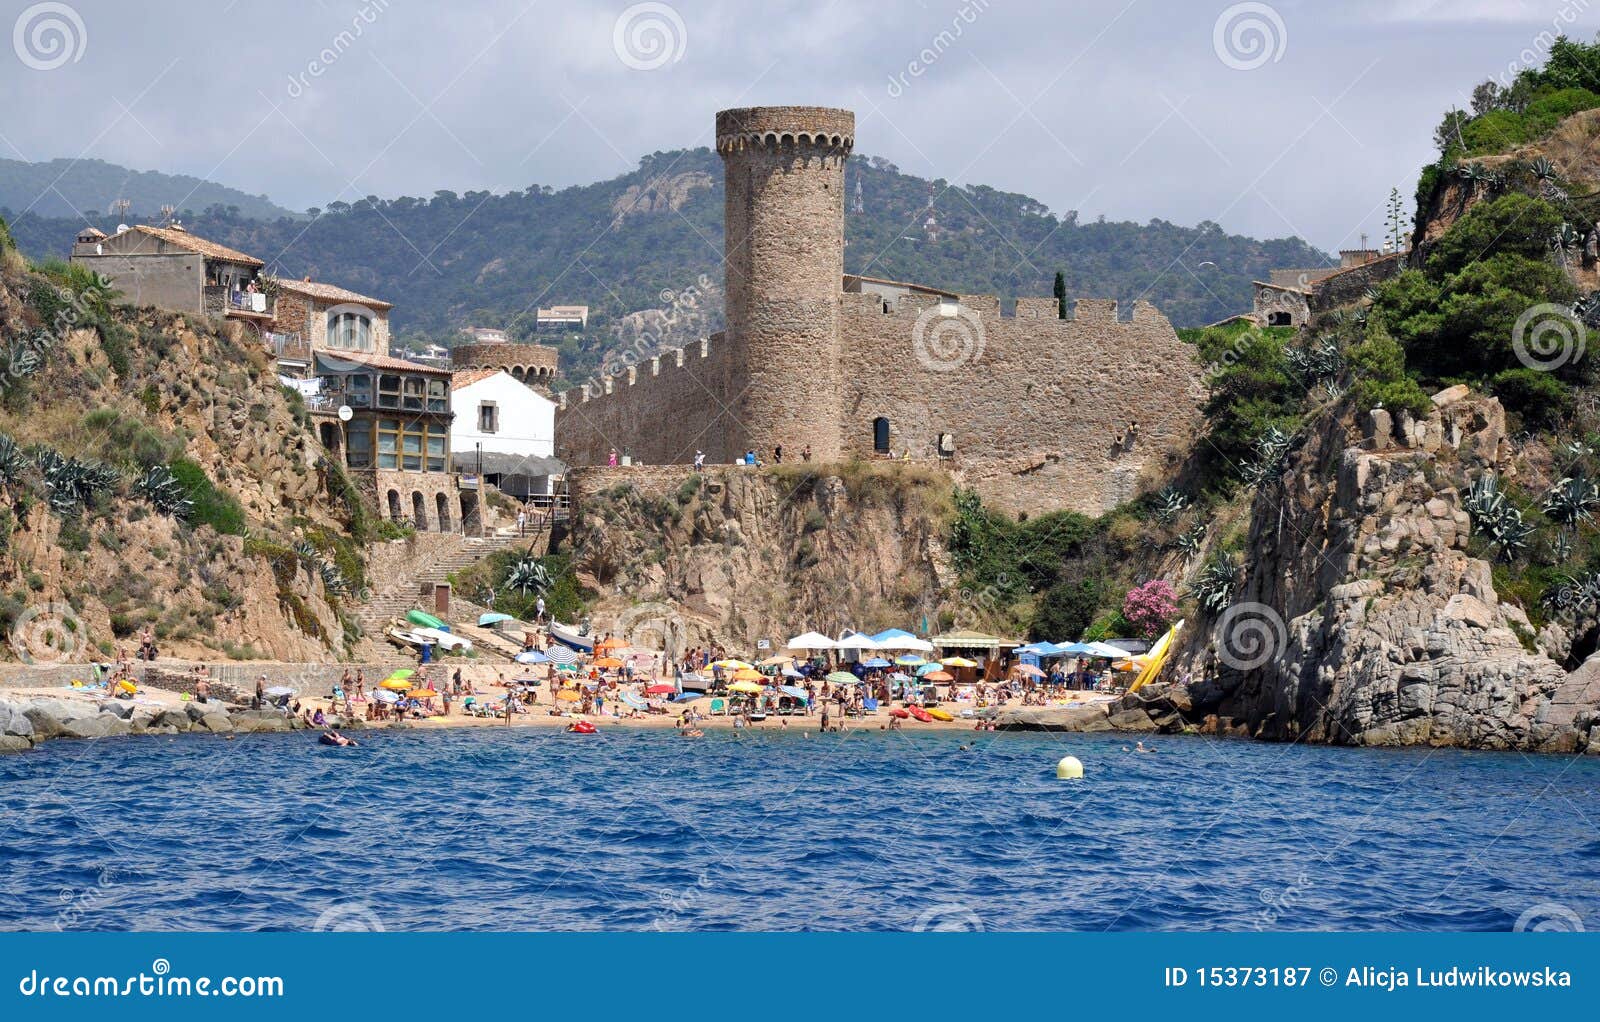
(855, 640)
(532, 656)
(899, 676)
(395, 684)
(400, 674)
(909, 660)
(938, 676)
(733, 665)
(493, 618)
(749, 674)
(747, 687)
(927, 669)
(661, 690)
(958, 661)
(280, 690)
(775, 661)
(385, 697)
(1028, 669)
(424, 693)
(607, 662)
(875, 662)
(561, 655)
(1105, 649)
(568, 695)
(899, 638)
(605, 644)
(812, 640)
(790, 672)
(798, 693)
(842, 678)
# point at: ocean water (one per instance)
(537, 829)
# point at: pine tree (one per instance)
(1061, 295)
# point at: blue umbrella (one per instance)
(876, 661)
(532, 656)
(493, 618)
(928, 669)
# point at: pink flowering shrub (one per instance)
(1151, 606)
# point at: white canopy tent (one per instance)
(855, 640)
(812, 640)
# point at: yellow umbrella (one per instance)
(733, 665)
(958, 661)
(748, 687)
(426, 693)
(568, 695)
(395, 684)
(749, 674)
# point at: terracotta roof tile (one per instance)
(381, 362)
(467, 377)
(193, 243)
(329, 292)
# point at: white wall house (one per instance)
(513, 425)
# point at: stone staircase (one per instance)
(405, 594)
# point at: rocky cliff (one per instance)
(1361, 617)
(739, 555)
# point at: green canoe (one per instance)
(423, 620)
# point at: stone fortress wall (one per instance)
(1032, 409)
(529, 363)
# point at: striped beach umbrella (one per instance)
(561, 655)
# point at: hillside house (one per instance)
(313, 316)
(171, 269)
(504, 432)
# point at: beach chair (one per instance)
(871, 705)
(719, 706)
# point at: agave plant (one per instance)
(1566, 239)
(1572, 500)
(1170, 503)
(163, 490)
(19, 359)
(333, 579)
(528, 577)
(1320, 361)
(1573, 595)
(1191, 541)
(13, 463)
(1496, 518)
(1271, 448)
(1542, 170)
(72, 484)
(1587, 308)
(1213, 586)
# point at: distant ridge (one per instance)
(87, 188)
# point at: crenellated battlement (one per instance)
(775, 127)
(687, 357)
(987, 308)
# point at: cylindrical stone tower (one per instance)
(783, 249)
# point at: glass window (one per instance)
(359, 389)
(488, 417)
(359, 454)
(411, 389)
(411, 452)
(388, 391)
(438, 396)
(435, 452)
(388, 443)
(349, 331)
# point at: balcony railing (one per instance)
(224, 301)
(289, 346)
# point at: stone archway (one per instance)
(394, 505)
(471, 519)
(442, 506)
(419, 511)
(880, 435)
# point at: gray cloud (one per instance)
(1118, 108)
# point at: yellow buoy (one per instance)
(1069, 769)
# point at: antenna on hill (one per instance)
(166, 214)
(119, 208)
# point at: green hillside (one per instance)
(489, 260)
(66, 188)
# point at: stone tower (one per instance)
(783, 252)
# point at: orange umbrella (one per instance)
(607, 661)
(605, 644)
(937, 676)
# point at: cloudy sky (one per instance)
(1271, 119)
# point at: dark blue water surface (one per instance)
(536, 829)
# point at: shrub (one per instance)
(1542, 401)
(211, 506)
(1149, 607)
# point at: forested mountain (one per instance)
(618, 245)
(66, 188)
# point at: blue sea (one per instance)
(535, 829)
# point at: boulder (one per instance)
(1131, 720)
(13, 743)
(254, 721)
(101, 725)
(121, 707)
(15, 723)
(1055, 718)
(177, 720)
(45, 724)
(216, 722)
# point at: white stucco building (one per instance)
(504, 429)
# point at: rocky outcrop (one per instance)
(1362, 619)
(26, 721)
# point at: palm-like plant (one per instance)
(72, 484)
(1191, 541)
(1271, 448)
(1496, 518)
(13, 463)
(1566, 239)
(1169, 504)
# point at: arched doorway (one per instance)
(442, 504)
(471, 521)
(880, 435)
(394, 505)
(328, 433)
(419, 510)
(1279, 319)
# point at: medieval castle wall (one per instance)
(1036, 411)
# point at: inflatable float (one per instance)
(938, 714)
(582, 727)
(897, 712)
(424, 619)
(339, 741)
(919, 713)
